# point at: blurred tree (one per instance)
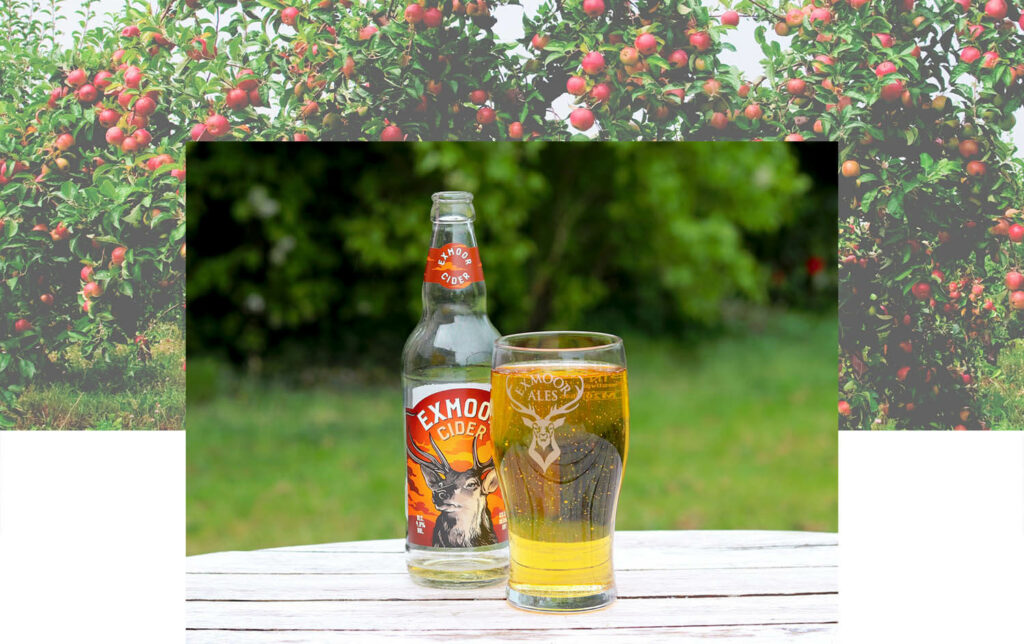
(319, 250)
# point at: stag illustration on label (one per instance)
(461, 501)
(454, 266)
(544, 448)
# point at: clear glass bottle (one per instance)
(457, 534)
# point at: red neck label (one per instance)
(454, 266)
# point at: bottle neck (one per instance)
(453, 257)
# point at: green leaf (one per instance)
(28, 370)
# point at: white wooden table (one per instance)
(677, 585)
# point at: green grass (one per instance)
(1002, 391)
(739, 432)
(119, 393)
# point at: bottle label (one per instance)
(452, 486)
(454, 266)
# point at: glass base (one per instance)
(560, 604)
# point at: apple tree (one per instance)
(919, 96)
(91, 193)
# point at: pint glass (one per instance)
(560, 429)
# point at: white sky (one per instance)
(747, 56)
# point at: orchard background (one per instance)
(91, 230)
(920, 96)
(305, 278)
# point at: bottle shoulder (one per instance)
(449, 341)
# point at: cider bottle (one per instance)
(457, 534)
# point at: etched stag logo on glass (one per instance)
(543, 427)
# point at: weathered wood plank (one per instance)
(459, 615)
(762, 634)
(680, 558)
(716, 539)
(398, 586)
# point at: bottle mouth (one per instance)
(452, 207)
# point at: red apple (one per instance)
(975, 168)
(289, 15)
(969, 148)
(730, 18)
(885, 68)
(86, 273)
(821, 14)
(678, 58)
(1014, 281)
(1017, 300)
(646, 44)
(87, 94)
(22, 325)
(217, 125)
(485, 115)
(539, 42)
(700, 41)
(921, 290)
(132, 77)
(238, 98)
(593, 63)
(433, 18)
(59, 233)
(892, 92)
(102, 79)
(601, 92)
(76, 78)
(391, 133)
(593, 8)
(970, 54)
(414, 13)
(115, 136)
(199, 133)
(117, 255)
(711, 87)
(576, 85)
(582, 119)
(64, 141)
(107, 118)
(515, 130)
(995, 9)
(1016, 233)
(248, 84)
(92, 289)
